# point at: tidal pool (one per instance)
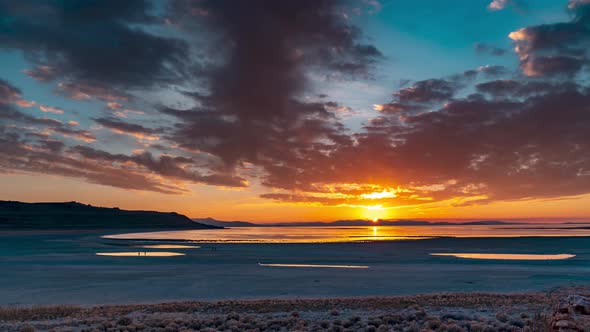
(318, 266)
(168, 246)
(140, 254)
(527, 257)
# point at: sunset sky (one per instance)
(299, 110)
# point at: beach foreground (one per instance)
(557, 310)
(70, 269)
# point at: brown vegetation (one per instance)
(472, 312)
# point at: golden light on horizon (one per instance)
(375, 213)
(379, 195)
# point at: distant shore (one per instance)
(434, 312)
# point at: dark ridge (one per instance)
(73, 215)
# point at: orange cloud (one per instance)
(49, 109)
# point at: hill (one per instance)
(74, 215)
(219, 223)
(353, 222)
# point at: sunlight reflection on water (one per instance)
(319, 234)
(527, 257)
(318, 266)
(140, 254)
(168, 246)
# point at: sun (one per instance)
(374, 213)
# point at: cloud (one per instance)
(475, 149)
(497, 5)
(574, 4)
(18, 155)
(555, 49)
(514, 88)
(108, 45)
(242, 70)
(253, 109)
(254, 66)
(493, 70)
(166, 166)
(425, 94)
(12, 95)
(42, 73)
(82, 90)
(50, 109)
(133, 129)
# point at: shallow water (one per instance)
(168, 246)
(355, 233)
(317, 266)
(140, 254)
(515, 257)
(51, 268)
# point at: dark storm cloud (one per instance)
(255, 66)
(98, 43)
(477, 136)
(518, 138)
(486, 149)
(252, 111)
(555, 49)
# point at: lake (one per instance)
(356, 233)
(92, 267)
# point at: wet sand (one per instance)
(53, 268)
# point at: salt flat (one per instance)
(63, 268)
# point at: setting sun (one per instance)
(375, 213)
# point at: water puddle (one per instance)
(140, 254)
(168, 246)
(318, 266)
(527, 257)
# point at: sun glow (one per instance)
(375, 213)
(379, 195)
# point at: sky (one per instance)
(303, 110)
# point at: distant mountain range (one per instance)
(354, 222)
(74, 216)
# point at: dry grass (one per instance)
(473, 312)
(541, 322)
(37, 312)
